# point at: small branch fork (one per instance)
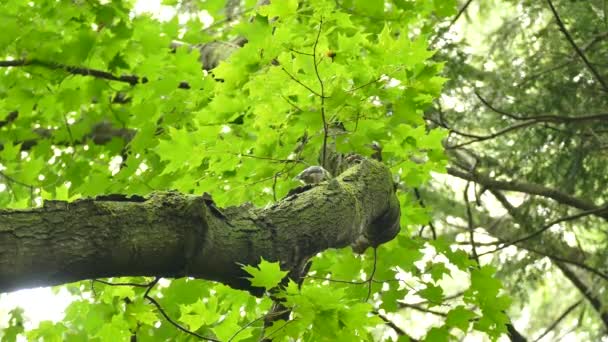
(149, 286)
(367, 281)
(160, 309)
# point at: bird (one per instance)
(313, 175)
(377, 148)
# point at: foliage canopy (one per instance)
(100, 99)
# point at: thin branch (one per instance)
(529, 188)
(559, 319)
(526, 122)
(228, 18)
(377, 79)
(513, 212)
(300, 52)
(300, 82)
(496, 134)
(370, 279)
(581, 54)
(447, 28)
(123, 284)
(544, 118)
(12, 116)
(325, 128)
(547, 227)
(13, 180)
(421, 309)
(296, 107)
(267, 338)
(470, 224)
(74, 70)
(594, 299)
(371, 276)
(567, 62)
(278, 313)
(446, 298)
(162, 312)
(579, 322)
(394, 326)
(421, 202)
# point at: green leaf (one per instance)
(432, 293)
(460, 318)
(437, 335)
(267, 274)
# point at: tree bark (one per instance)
(169, 234)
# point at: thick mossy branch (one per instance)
(171, 235)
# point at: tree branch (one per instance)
(578, 50)
(82, 71)
(173, 235)
(595, 301)
(559, 319)
(544, 118)
(547, 227)
(529, 188)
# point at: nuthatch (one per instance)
(313, 175)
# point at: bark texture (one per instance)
(169, 234)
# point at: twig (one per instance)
(123, 284)
(447, 28)
(567, 62)
(512, 211)
(370, 279)
(470, 224)
(377, 79)
(74, 70)
(581, 54)
(421, 202)
(559, 319)
(446, 298)
(228, 19)
(162, 312)
(300, 82)
(325, 128)
(394, 326)
(371, 276)
(421, 309)
(595, 299)
(13, 180)
(300, 52)
(256, 320)
(266, 338)
(526, 121)
(548, 226)
(494, 135)
(544, 118)
(577, 325)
